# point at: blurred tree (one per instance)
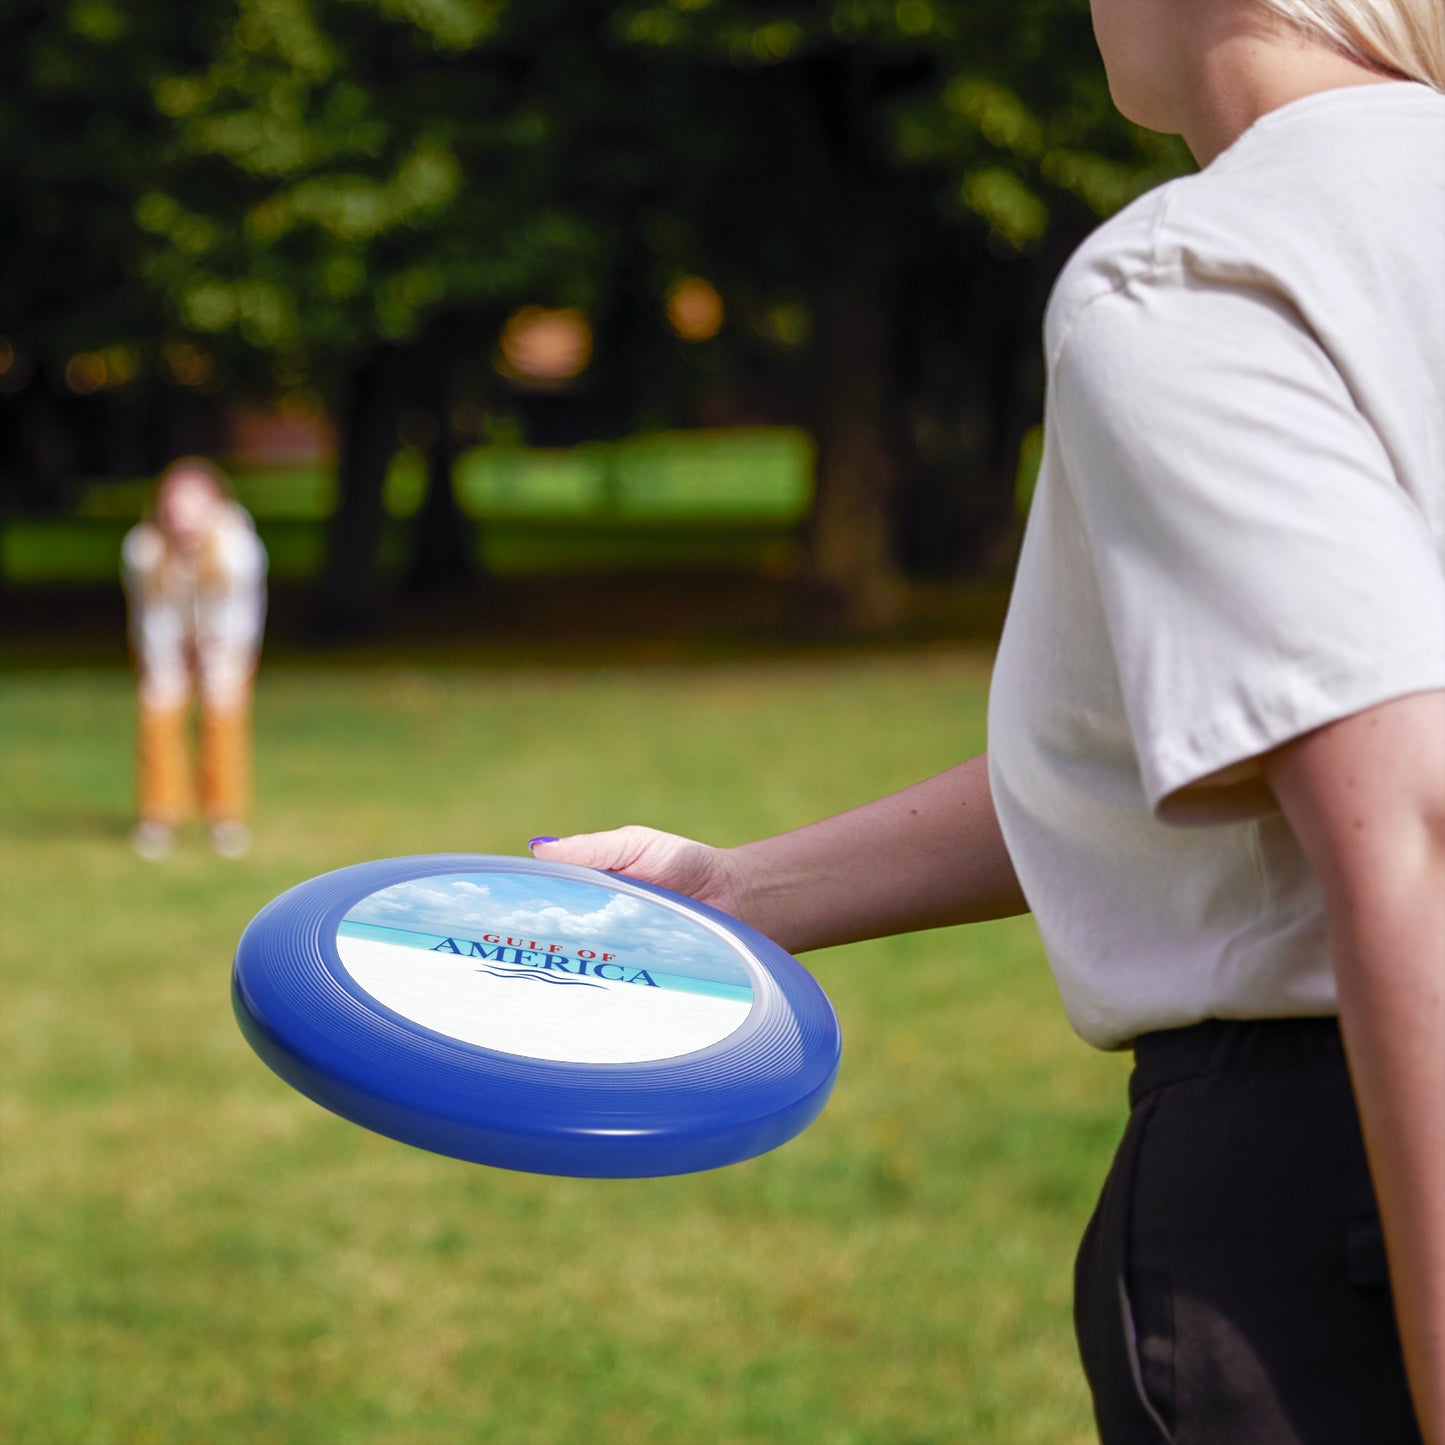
(924, 165)
(363, 190)
(79, 139)
(355, 194)
(366, 189)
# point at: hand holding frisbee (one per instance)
(696, 870)
(536, 1015)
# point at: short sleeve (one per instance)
(1263, 571)
(240, 551)
(140, 554)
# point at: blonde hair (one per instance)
(1404, 37)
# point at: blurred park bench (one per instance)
(733, 498)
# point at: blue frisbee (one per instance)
(535, 1016)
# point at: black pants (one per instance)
(1231, 1288)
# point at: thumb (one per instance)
(611, 851)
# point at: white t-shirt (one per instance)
(1238, 536)
(196, 619)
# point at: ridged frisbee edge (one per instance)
(677, 1115)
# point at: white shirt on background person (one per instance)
(196, 619)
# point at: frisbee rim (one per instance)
(316, 1027)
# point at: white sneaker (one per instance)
(231, 839)
(152, 840)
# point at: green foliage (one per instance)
(79, 140)
(190, 1251)
(342, 171)
(1003, 106)
(299, 178)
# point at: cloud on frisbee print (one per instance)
(574, 913)
(425, 903)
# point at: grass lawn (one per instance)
(732, 497)
(192, 1252)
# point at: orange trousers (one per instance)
(164, 778)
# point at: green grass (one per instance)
(732, 498)
(192, 1252)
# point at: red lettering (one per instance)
(585, 953)
(608, 957)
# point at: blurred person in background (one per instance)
(1216, 767)
(195, 583)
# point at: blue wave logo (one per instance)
(539, 977)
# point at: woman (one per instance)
(195, 583)
(1217, 760)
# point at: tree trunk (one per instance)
(851, 554)
(852, 266)
(442, 558)
(349, 600)
(47, 450)
(973, 387)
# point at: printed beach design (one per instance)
(549, 968)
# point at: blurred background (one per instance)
(639, 403)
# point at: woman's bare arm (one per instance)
(926, 857)
(1366, 799)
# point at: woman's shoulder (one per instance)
(1109, 259)
(143, 548)
(238, 547)
(1339, 192)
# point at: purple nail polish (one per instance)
(533, 842)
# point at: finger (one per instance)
(611, 851)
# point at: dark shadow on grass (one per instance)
(574, 620)
(66, 825)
